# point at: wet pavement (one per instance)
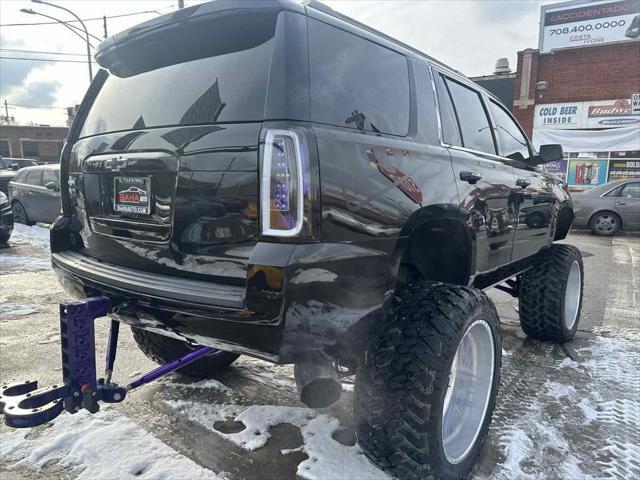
(569, 411)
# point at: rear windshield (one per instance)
(228, 86)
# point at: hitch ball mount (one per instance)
(25, 405)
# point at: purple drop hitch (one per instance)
(24, 405)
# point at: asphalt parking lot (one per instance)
(570, 411)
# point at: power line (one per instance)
(38, 51)
(35, 106)
(53, 60)
(76, 21)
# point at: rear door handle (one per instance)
(621, 203)
(523, 182)
(470, 177)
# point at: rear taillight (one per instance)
(281, 196)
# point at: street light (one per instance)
(86, 32)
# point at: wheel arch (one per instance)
(607, 210)
(565, 219)
(436, 244)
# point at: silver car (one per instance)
(607, 208)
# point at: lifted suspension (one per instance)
(25, 405)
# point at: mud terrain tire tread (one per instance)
(163, 349)
(402, 379)
(542, 291)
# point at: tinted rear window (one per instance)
(229, 85)
(356, 83)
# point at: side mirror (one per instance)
(52, 186)
(15, 166)
(549, 153)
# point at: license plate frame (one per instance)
(132, 195)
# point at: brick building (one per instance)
(577, 89)
(40, 143)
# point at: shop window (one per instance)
(5, 148)
(30, 148)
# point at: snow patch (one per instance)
(101, 446)
(313, 275)
(518, 447)
(17, 309)
(557, 390)
(327, 457)
(588, 410)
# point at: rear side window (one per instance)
(513, 142)
(229, 84)
(474, 123)
(449, 124)
(34, 177)
(356, 83)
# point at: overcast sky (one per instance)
(468, 35)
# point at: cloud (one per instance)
(37, 93)
(14, 73)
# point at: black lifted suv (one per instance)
(274, 179)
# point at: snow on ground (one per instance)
(328, 459)
(105, 446)
(570, 419)
(33, 254)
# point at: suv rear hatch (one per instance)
(164, 176)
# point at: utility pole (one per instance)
(6, 111)
(180, 3)
(104, 25)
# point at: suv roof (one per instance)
(193, 13)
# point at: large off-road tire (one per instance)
(550, 295)
(426, 387)
(4, 238)
(163, 349)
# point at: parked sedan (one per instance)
(35, 194)
(609, 208)
(6, 219)
(18, 163)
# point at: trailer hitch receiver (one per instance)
(24, 405)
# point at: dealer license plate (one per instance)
(132, 195)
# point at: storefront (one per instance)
(601, 140)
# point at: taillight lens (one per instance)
(282, 200)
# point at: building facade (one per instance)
(582, 90)
(41, 143)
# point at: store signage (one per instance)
(578, 115)
(635, 104)
(581, 24)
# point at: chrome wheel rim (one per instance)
(468, 392)
(605, 223)
(572, 295)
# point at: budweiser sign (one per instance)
(619, 108)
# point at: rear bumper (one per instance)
(150, 284)
(298, 299)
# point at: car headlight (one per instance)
(4, 201)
